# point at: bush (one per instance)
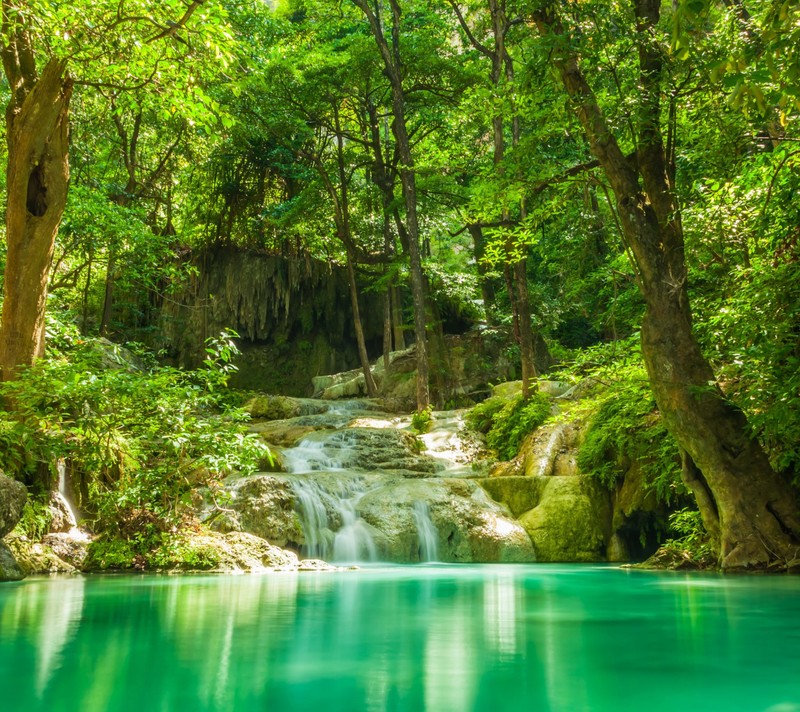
(506, 423)
(140, 440)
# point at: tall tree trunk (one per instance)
(750, 512)
(37, 121)
(393, 70)
(363, 356)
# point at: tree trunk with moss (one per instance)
(750, 511)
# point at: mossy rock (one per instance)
(10, 570)
(571, 522)
(519, 494)
(265, 407)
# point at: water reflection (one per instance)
(433, 638)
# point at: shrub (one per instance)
(141, 440)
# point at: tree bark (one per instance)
(750, 512)
(37, 121)
(393, 70)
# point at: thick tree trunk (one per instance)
(750, 512)
(37, 178)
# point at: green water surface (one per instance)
(439, 638)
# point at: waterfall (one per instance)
(426, 532)
(61, 469)
(310, 456)
(331, 526)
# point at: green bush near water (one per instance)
(628, 427)
(141, 440)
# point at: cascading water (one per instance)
(426, 531)
(332, 528)
(61, 469)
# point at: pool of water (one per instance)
(431, 637)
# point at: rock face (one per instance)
(12, 501)
(568, 515)
(10, 570)
(13, 496)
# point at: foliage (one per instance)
(422, 420)
(691, 539)
(481, 416)
(142, 440)
(626, 427)
(511, 423)
(36, 517)
(155, 550)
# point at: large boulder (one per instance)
(572, 520)
(262, 505)
(13, 495)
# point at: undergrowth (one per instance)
(506, 423)
(138, 437)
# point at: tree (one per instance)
(120, 46)
(749, 511)
(393, 66)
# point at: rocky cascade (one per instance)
(359, 487)
(351, 483)
(12, 501)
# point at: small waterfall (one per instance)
(426, 531)
(331, 526)
(61, 469)
(310, 456)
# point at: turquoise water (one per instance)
(440, 638)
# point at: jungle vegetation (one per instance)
(615, 177)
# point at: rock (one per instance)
(61, 517)
(36, 557)
(267, 407)
(470, 527)
(263, 505)
(13, 496)
(10, 570)
(571, 521)
(519, 494)
(68, 547)
(507, 390)
(238, 551)
(282, 433)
